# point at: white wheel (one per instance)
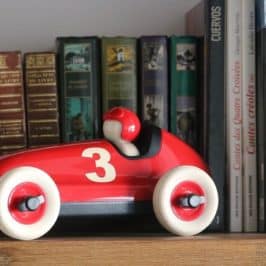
(174, 189)
(18, 185)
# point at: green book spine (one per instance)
(79, 89)
(183, 88)
(119, 73)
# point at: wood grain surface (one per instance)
(213, 249)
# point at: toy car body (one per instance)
(93, 177)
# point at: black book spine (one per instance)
(261, 87)
(261, 124)
(215, 145)
(262, 109)
(207, 21)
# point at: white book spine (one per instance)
(234, 113)
(249, 117)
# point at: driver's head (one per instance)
(120, 123)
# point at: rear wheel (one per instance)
(185, 200)
(29, 203)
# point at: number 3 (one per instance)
(103, 162)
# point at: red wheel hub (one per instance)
(20, 193)
(182, 190)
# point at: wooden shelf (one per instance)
(157, 249)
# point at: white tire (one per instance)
(25, 182)
(181, 220)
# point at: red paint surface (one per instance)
(134, 178)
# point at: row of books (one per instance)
(134, 74)
(52, 97)
(230, 98)
(40, 98)
(210, 105)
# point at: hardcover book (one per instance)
(183, 88)
(207, 20)
(12, 109)
(79, 87)
(41, 97)
(154, 80)
(119, 73)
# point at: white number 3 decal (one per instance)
(103, 162)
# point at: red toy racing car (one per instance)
(129, 169)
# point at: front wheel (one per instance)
(29, 203)
(185, 200)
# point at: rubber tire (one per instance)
(15, 229)
(162, 200)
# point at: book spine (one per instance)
(183, 88)
(214, 103)
(41, 98)
(249, 117)
(262, 116)
(260, 59)
(12, 109)
(79, 88)
(119, 73)
(234, 114)
(260, 130)
(154, 80)
(260, 8)
(207, 20)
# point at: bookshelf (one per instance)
(145, 250)
(33, 25)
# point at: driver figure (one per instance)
(121, 126)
